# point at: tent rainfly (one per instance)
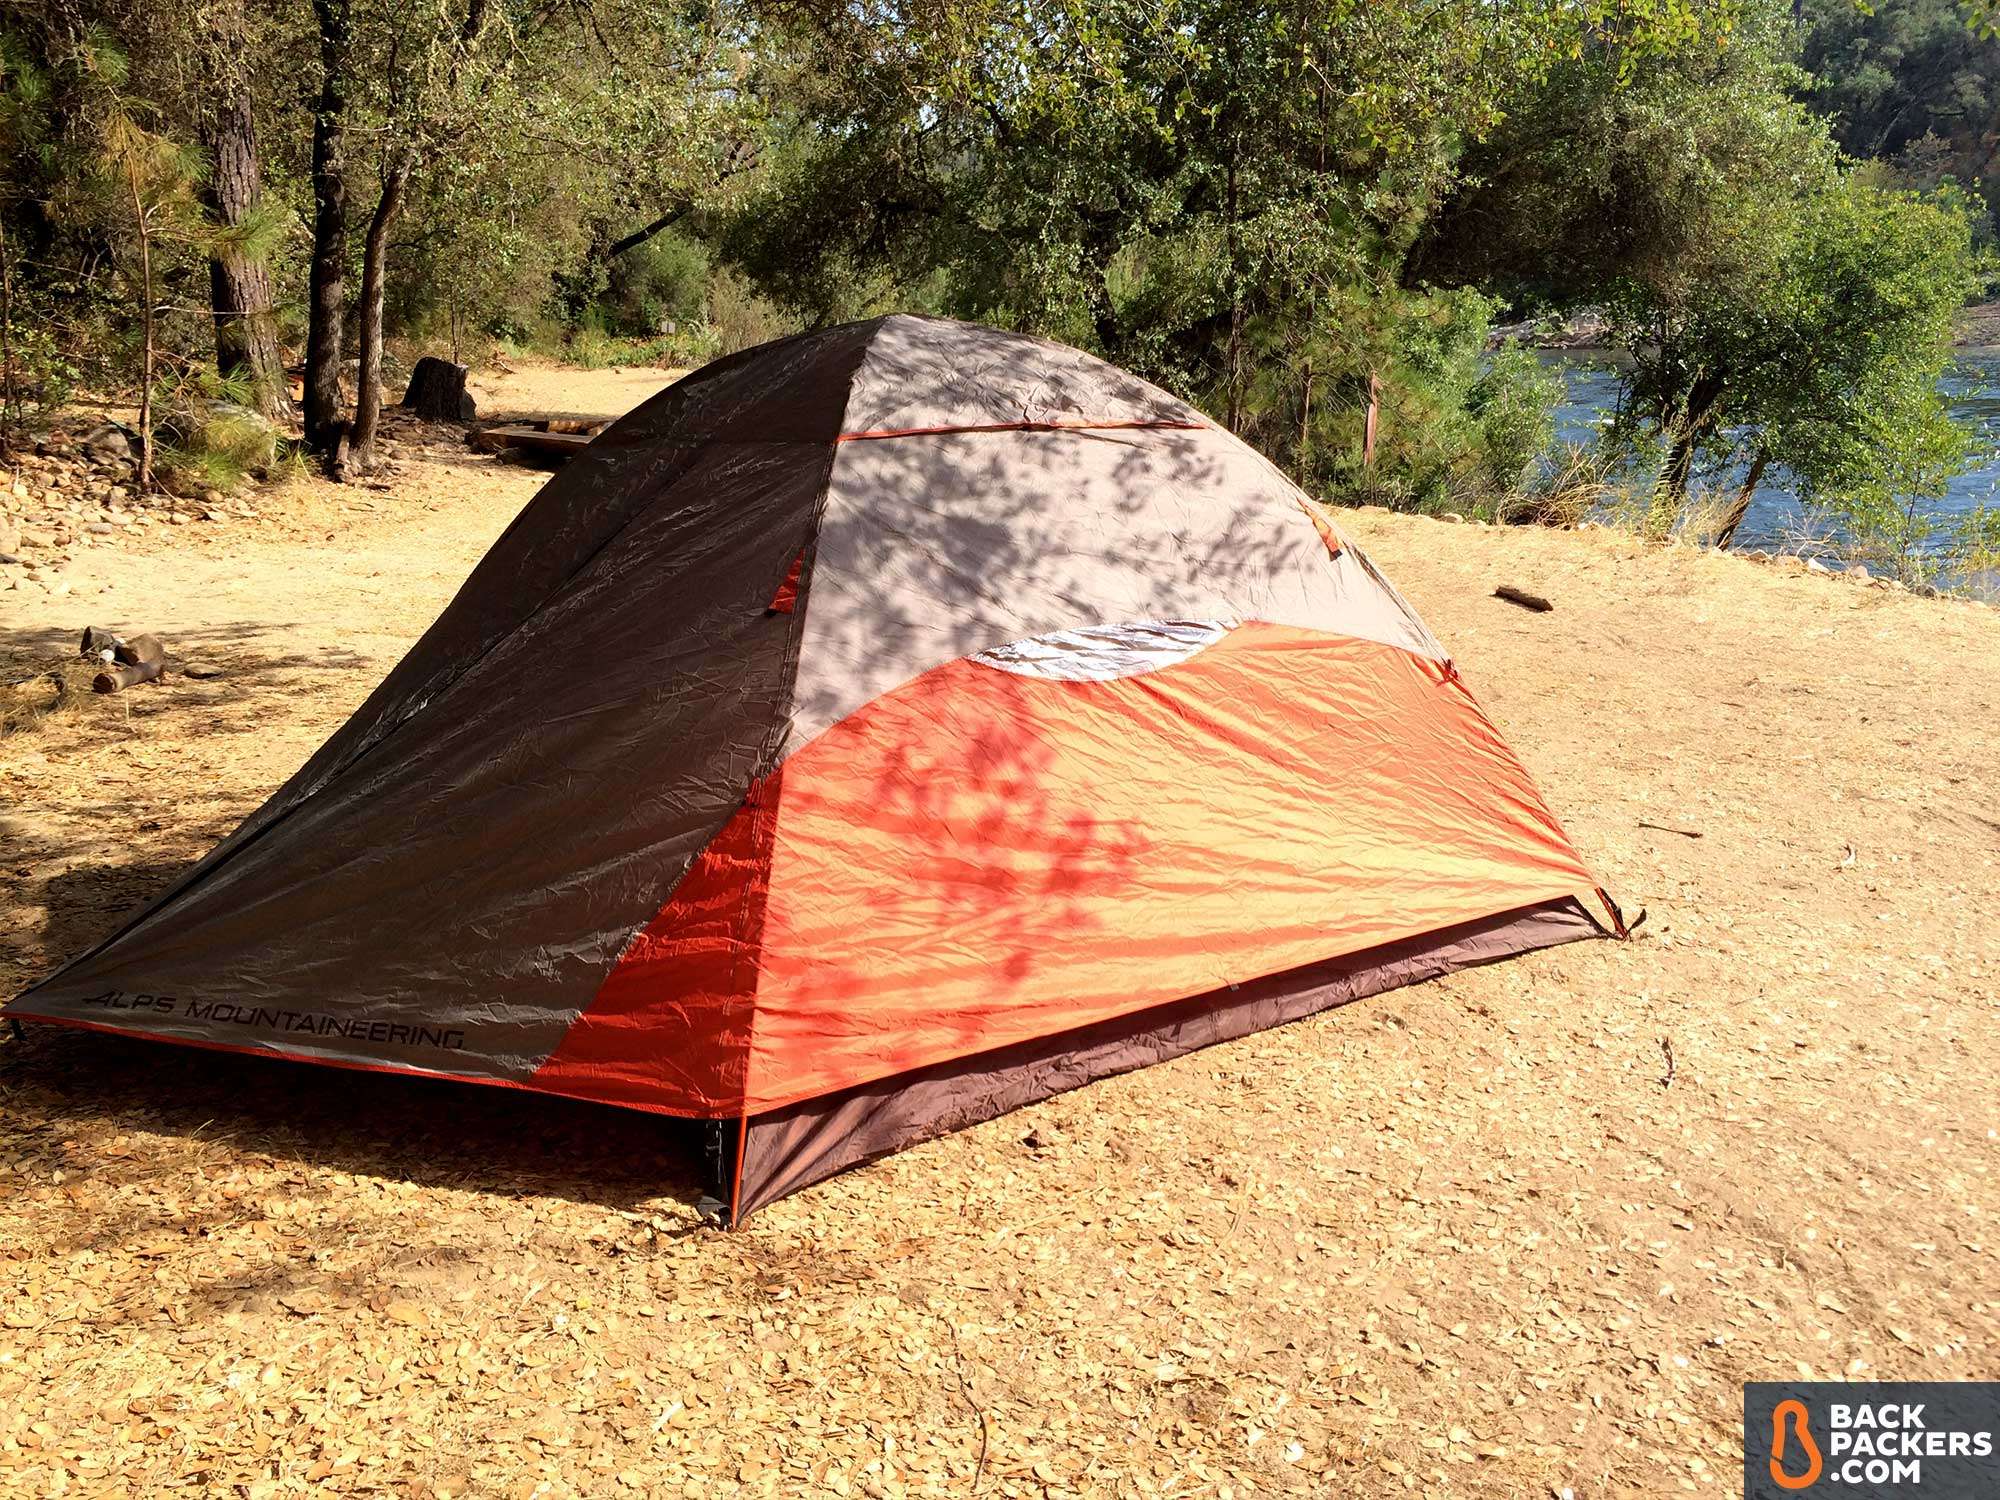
(874, 732)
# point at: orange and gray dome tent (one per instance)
(873, 732)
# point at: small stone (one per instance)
(100, 528)
(211, 497)
(201, 670)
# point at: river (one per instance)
(1777, 522)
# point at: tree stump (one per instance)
(437, 392)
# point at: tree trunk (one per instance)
(325, 423)
(639, 237)
(375, 252)
(1696, 416)
(1235, 407)
(437, 391)
(145, 480)
(10, 395)
(246, 334)
(1371, 421)
(1305, 414)
(1743, 497)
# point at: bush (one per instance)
(738, 317)
(1513, 404)
(216, 448)
(665, 280)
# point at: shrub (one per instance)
(664, 280)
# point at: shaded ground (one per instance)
(1466, 1238)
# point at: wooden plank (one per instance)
(534, 439)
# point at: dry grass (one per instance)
(53, 691)
(1575, 490)
(1461, 1239)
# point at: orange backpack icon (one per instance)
(1796, 1410)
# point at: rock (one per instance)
(9, 560)
(10, 534)
(116, 494)
(211, 497)
(100, 528)
(1814, 565)
(1453, 517)
(201, 671)
(1858, 570)
(110, 441)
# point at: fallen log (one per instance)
(1523, 598)
(117, 679)
(145, 650)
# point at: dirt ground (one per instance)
(1523, 1231)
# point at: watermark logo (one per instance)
(1793, 1413)
(1871, 1441)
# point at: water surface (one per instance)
(1777, 522)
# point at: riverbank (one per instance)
(1525, 1229)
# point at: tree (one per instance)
(1832, 374)
(1203, 191)
(427, 101)
(1834, 334)
(241, 295)
(326, 425)
(152, 181)
(1777, 309)
(1910, 84)
(23, 135)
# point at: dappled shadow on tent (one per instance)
(937, 546)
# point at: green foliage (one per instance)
(1514, 401)
(1281, 213)
(210, 437)
(665, 280)
(1219, 197)
(1909, 84)
(1822, 359)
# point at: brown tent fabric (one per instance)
(874, 731)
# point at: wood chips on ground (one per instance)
(1459, 1239)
